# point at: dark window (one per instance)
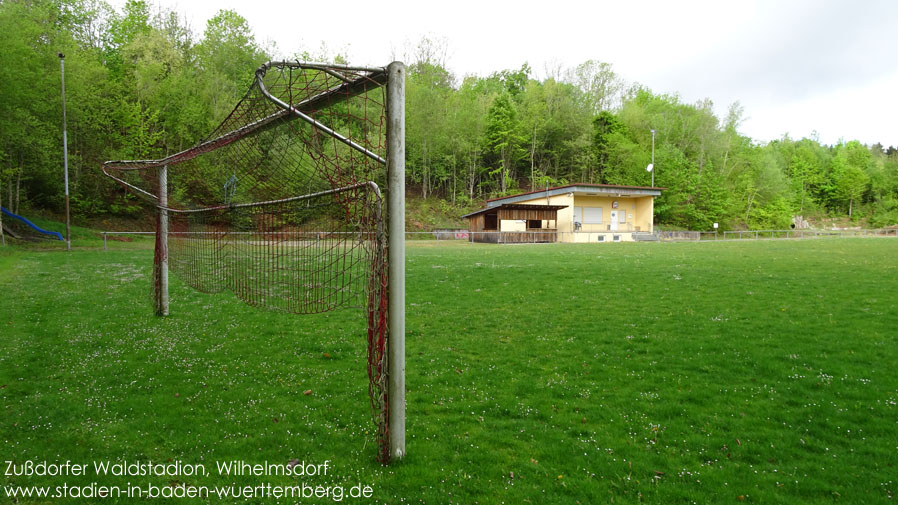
(491, 222)
(534, 223)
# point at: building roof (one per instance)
(583, 188)
(516, 206)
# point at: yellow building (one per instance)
(571, 213)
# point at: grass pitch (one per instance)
(758, 372)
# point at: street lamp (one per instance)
(65, 156)
(651, 167)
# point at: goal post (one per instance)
(396, 175)
(160, 257)
(296, 202)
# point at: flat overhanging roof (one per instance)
(517, 206)
(578, 189)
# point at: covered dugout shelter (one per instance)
(514, 223)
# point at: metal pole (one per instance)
(653, 158)
(162, 248)
(104, 240)
(396, 255)
(65, 155)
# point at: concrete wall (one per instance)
(645, 214)
(624, 204)
(512, 225)
(600, 238)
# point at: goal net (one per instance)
(285, 203)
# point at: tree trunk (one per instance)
(424, 174)
(502, 180)
(471, 181)
(532, 156)
(503, 171)
(726, 155)
(471, 178)
(454, 179)
(18, 187)
(748, 211)
(2, 236)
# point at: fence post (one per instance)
(104, 240)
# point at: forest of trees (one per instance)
(140, 84)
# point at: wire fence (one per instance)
(546, 237)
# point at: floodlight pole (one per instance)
(653, 157)
(65, 155)
(396, 256)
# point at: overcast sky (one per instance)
(795, 66)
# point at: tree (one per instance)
(601, 87)
(504, 138)
(228, 57)
(606, 127)
(514, 81)
(848, 175)
(428, 95)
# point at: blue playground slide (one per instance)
(30, 224)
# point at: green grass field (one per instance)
(755, 372)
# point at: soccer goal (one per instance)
(296, 202)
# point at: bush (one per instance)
(776, 215)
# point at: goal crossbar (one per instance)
(300, 110)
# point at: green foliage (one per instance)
(848, 176)
(609, 132)
(504, 139)
(136, 87)
(773, 215)
(139, 83)
(884, 212)
(599, 85)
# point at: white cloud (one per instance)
(796, 66)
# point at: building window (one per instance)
(592, 215)
(534, 223)
(490, 222)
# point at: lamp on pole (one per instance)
(65, 155)
(651, 167)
